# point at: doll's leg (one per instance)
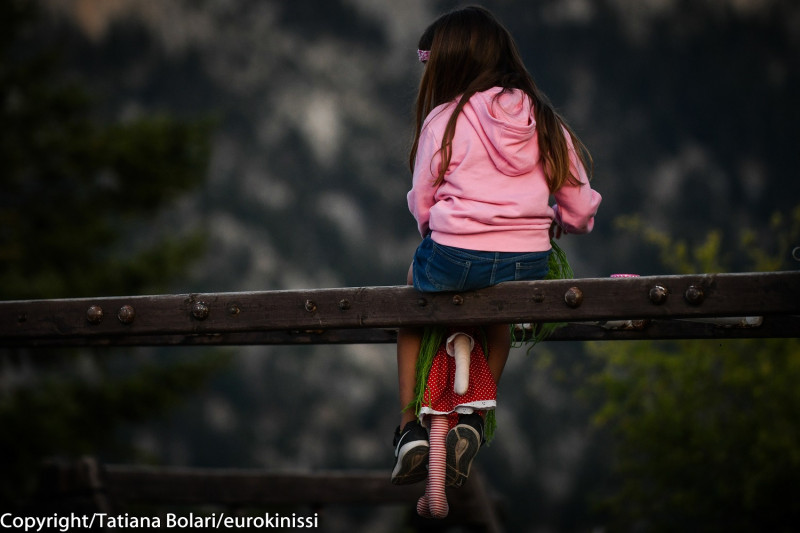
(433, 504)
(498, 340)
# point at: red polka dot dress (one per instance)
(439, 397)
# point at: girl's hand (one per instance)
(555, 230)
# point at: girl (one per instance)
(489, 150)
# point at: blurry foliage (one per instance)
(706, 432)
(766, 251)
(72, 187)
(62, 413)
(76, 209)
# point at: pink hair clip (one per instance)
(423, 55)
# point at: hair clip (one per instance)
(423, 55)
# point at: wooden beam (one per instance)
(577, 300)
(122, 486)
(240, 487)
(773, 326)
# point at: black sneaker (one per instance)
(411, 454)
(463, 443)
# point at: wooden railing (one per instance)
(113, 489)
(686, 306)
(653, 307)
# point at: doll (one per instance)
(459, 391)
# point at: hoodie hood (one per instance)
(505, 123)
(494, 195)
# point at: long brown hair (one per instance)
(470, 52)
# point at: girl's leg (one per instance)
(410, 439)
(498, 339)
(408, 345)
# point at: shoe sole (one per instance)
(463, 443)
(412, 464)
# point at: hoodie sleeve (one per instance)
(576, 205)
(421, 197)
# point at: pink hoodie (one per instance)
(494, 196)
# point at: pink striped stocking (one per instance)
(433, 504)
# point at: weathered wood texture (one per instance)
(288, 316)
(115, 488)
(243, 487)
(776, 326)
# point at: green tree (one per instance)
(78, 195)
(77, 192)
(706, 433)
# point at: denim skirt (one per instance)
(439, 268)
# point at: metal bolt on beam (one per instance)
(658, 294)
(694, 295)
(94, 315)
(573, 297)
(200, 310)
(126, 314)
